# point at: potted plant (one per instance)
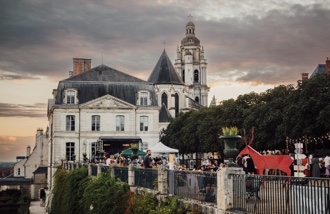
(84, 157)
(230, 137)
(134, 148)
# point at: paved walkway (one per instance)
(35, 208)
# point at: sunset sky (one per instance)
(249, 46)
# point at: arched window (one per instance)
(182, 75)
(95, 122)
(164, 99)
(176, 105)
(197, 99)
(196, 76)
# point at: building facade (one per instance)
(106, 109)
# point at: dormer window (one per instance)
(71, 96)
(144, 98)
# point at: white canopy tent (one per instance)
(161, 148)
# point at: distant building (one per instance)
(320, 69)
(30, 171)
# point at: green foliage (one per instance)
(105, 194)
(148, 203)
(76, 192)
(284, 111)
(68, 190)
(229, 131)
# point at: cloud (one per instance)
(12, 146)
(17, 77)
(269, 42)
(22, 110)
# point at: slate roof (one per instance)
(41, 170)
(164, 72)
(105, 74)
(15, 181)
(320, 69)
(164, 114)
(103, 80)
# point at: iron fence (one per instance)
(121, 173)
(196, 185)
(280, 194)
(147, 178)
(104, 168)
(94, 169)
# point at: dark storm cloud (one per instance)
(274, 49)
(22, 110)
(41, 38)
(16, 77)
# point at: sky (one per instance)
(250, 46)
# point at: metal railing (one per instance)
(280, 194)
(121, 173)
(146, 178)
(94, 169)
(196, 185)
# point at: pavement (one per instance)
(35, 208)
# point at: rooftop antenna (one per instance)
(164, 43)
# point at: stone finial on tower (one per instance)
(213, 101)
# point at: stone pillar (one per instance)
(225, 187)
(99, 168)
(131, 175)
(162, 180)
(89, 169)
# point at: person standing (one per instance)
(327, 165)
(250, 167)
(315, 166)
(147, 160)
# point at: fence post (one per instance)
(225, 187)
(99, 168)
(131, 174)
(90, 171)
(162, 180)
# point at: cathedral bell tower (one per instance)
(191, 66)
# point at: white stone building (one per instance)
(26, 166)
(191, 66)
(103, 108)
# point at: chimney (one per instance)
(28, 151)
(39, 132)
(80, 65)
(304, 76)
(327, 66)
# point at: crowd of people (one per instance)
(313, 165)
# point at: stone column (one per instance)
(99, 168)
(162, 180)
(89, 169)
(225, 187)
(131, 175)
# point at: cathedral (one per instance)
(102, 108)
